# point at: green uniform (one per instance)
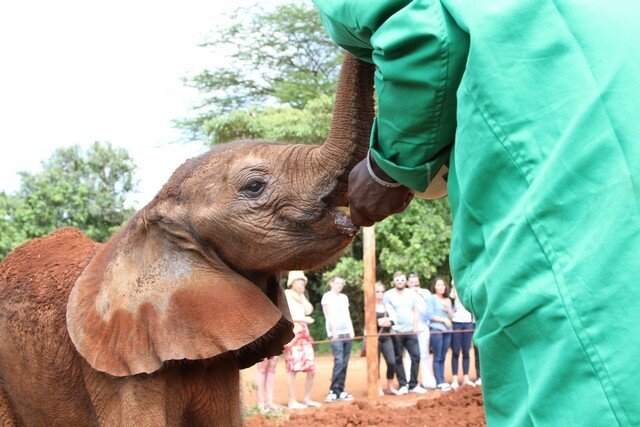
(542, 99)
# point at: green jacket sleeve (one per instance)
(420, 54)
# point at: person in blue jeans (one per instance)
(401, 303)
(335, 306)
(440, 325)
(463, 325)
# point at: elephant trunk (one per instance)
(353, 112)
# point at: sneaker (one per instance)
(344, 396)
(479, 381)
(331, 397)
(418, 389)
(454, 384)
(469, 382)
(429, 383)
(443, 387)
(312, 404)
(403, 390)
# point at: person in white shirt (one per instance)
(426, 360)
(335, 306)
(463, 321)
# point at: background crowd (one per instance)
(416, 328)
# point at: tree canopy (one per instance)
(87, 190)
(280, 62)
(309, 124)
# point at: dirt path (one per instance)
(462, 407)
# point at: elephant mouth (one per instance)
(343, 222)
(327, 222)
(333, 223)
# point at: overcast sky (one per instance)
(75, 72)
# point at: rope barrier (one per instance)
(389, 334)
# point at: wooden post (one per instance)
(371, 323)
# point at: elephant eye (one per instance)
(253, 188)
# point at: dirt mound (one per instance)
(462, 407)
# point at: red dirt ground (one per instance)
(462, 407)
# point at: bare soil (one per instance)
(461, 407)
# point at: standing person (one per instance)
(440, 324)
(462, 320)
(335, 306)
(426, 360)
(540, 98)
(265, 380)
(299, 355)
(401, 303)
(385, 342)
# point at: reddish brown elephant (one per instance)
(152, 327)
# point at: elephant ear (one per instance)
(144, 300)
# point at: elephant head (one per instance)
(194, 274)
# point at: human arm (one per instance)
(432, 310)
(298, 307)
(308, 309)
(382, 315)
(352, 332)
(415, 319)
(420, 55)
(389, 307)
(384, 322)
(326, 309)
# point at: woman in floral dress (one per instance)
(299, 355)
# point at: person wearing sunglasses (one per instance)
(402, 305)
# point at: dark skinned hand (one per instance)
(369, 201)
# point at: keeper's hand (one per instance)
(373, 195)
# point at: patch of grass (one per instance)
(249, 411)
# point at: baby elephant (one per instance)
(152, 327)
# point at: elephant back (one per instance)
(36, 354)
(42, 271)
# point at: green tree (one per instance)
(309, 124)
(280, 59)
(10, 235)
(416, 240)
(86, 190)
